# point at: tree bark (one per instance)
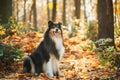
(54, 10)
(24, 17)
(85, 15)
(14, 7)
(105, 20)
(5, 11)
(30, 16)
(64, 12)
(34, 15)
(48, 11)
(77, 8)
(17, 10)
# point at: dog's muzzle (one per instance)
(56, 32)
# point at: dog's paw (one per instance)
(36, 74)
(50, 75)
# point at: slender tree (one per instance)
(85, 15)
(105, 20)
(77, 8)
(64, 12)
(17, 9)
(34, 14)
(30, 16)
(5, 11)
(24, 17)
(54, 10)
(48, 10)
(14, 7)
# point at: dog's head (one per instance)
(55, 29)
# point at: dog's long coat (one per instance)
(47, 55)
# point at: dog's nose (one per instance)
(56, 30)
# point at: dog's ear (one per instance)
(60, 23)
(49, 22)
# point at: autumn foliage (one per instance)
(77, 63)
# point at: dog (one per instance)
(46, 57)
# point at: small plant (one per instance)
(14, 27)
(2, 32)
(11, 26)
(102, 42)
(9, 53)
(108, 54)
(90, 47)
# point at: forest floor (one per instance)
(76, 64)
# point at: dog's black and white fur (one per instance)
(47, 55)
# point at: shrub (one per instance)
(107, 54)
(14, 27)
(2, 32)
(9, 53)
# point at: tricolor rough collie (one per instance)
(48, 53)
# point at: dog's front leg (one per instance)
(56, 69)
(49, 70)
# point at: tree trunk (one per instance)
(48, 11)
(34, 14)
(30, 16)
(105, 20)
(14, 7)
(85, 15)
(54, 10)
(5, 11)
(24, 17)
(77, 8)
(17, 9)
(64, 12)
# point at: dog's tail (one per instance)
(28, 65)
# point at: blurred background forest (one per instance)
(34, 15)
(88, 25)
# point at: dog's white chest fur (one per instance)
(52, 66)
(59, 45)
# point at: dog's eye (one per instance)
(54, 26)
(59, 26)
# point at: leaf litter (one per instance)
(76, 64)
